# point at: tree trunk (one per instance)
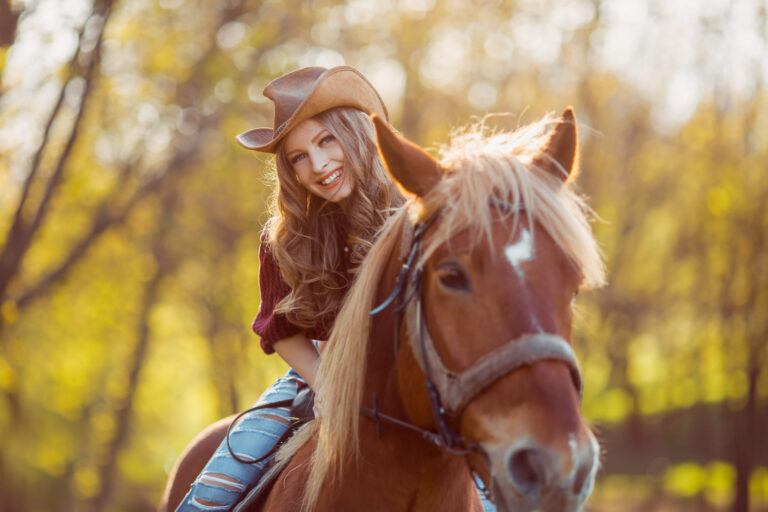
(744, 443)
(125, 411)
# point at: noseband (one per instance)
(449, 391)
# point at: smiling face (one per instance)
(317, 158)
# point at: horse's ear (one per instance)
(559, 154)
(411, 167)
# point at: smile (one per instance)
(330, 179)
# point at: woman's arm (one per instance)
(299, 352)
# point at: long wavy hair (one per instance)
(302, 232)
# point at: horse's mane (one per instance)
(479, 166)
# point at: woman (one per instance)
(331, 197)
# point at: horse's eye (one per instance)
(453, 277)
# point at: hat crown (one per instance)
(306, 92)
(289, 91)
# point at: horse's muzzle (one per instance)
(531, 477)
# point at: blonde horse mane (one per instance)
(479, 166)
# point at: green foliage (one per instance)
(672, 349)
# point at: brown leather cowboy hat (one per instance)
(306, 92)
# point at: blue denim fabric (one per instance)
(488, 505)
(251, 438)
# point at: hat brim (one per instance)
(342, 86)
(256, 138)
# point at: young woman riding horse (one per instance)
(332, 196)
(467, 361)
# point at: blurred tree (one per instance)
(164, 264)
(28, 218)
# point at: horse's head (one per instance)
(501, 246)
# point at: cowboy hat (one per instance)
(306, 92)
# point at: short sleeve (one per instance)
(270, 326)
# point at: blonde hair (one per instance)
(479, 167)
(302, 232)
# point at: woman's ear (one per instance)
(410, 166)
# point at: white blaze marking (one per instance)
(520, 251)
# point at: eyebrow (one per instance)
(317, 136)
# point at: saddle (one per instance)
(302, 410)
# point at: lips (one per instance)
(330, 179)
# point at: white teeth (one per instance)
(330, 179)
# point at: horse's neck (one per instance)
(382, 357)
(410, 473)
(401, 471)
(381, 366)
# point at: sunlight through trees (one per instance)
(130, 220)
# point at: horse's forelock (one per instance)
(482, 166)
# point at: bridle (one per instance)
(449, 391)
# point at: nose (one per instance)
(538, 473)
(319, 160)
(529, 470)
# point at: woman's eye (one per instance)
(297, 158)
(327, 139)
(453, 277)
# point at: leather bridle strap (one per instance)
(377, 416)
(457, 389)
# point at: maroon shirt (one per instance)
(272, 326)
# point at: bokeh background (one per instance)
(130, 220)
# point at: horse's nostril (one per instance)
(527, 470)
(581, 477)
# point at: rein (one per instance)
(449, 392)
(295, 424)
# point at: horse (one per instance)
(451, 358)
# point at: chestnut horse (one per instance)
(467, 365)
